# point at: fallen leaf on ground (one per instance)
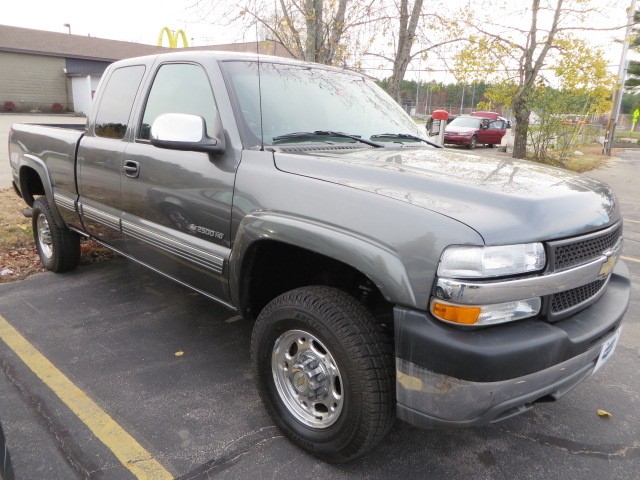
(179, 354)
(604, 413)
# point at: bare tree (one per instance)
(313, 30)
(409, 25)
(333, 32)
(534, 54)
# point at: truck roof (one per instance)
(221, 56)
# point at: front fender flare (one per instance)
(378, 262)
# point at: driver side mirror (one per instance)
(181, 131)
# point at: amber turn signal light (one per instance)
(455, 313)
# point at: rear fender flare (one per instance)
(33, 162)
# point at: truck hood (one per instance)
(505, 200)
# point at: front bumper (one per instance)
(457, 139)
(452, 377)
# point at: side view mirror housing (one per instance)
(181, 131)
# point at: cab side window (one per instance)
(180, 88)
(117, 101)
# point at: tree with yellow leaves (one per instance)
(524, 59)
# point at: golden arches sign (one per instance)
(173, 37)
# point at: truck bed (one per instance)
(54, 145)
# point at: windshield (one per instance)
(301, 98)
(465, 122)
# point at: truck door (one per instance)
(100, 156)
(177, 204)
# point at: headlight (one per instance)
(482, 262)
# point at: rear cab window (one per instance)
(116, 102)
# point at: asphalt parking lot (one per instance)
(123, 401)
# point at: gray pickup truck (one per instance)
(385, 276)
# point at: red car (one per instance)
(472, 130)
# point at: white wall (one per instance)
(82, 90)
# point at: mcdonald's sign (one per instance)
(173, 37)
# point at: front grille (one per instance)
(583, 251)
(570, 298)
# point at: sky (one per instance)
(142, 20)
(134, 20)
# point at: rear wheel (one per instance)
(58, 247)
(324, 371)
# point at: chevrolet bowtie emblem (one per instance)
(607, 266)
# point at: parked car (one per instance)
(492, 116)
(471, 130)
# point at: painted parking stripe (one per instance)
(632, 221)
(130, 453)
(630, 259)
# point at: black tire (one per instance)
(58, 247)
(6, 468)
(472, 143)
(491, 145)
(363, 357)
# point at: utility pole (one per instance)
(473, 96)
(68, 25)
(619, 89)
(418, 85)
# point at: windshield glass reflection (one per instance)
(300, 98)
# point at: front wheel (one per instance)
(325, 372)
(473, 142)
(58, 247)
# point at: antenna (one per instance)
(259, 84)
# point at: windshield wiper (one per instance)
(406, 136)
(324, 133)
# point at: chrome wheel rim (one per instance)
(44, 236)
(307, 379)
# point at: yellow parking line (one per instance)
(132, 455)
(630, 259)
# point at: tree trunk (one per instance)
(313, 12)
(406, 36)
(335, 31)
(521, 112)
